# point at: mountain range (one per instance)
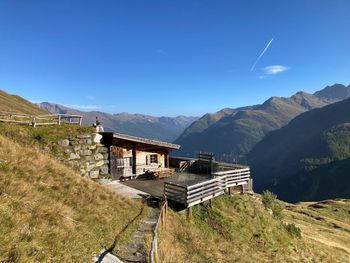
(232, 133)
(160, 128)
(308, 159)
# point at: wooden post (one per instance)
(59, 119)
(80, 120)
(189, 212)
(134, 161)
(167, 160)
(211, 203)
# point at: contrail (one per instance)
(262, 53)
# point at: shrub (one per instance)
(293, 230)
(269, 200)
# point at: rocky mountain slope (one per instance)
(161, 128)
(302, 160)
(230, 133)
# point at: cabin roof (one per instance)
(130, 138)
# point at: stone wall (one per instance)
(86, 155)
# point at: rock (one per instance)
(99, 163)
(96, 138)
(92, 147)
(103, 150)
(63, 143)
(84, 136)
(74, 156)
(74, 164)
(104, 170)
(87, 141)
(94, 174)
(104, 181)
(77, 148)
(67, 151)
(85, 152)
(46, 149)
(98, 157)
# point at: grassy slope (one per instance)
(239, 229)
(16, 104)
(50, 214)
(326, 225)
(42, 136)
(310, 140)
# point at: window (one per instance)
(154, 158)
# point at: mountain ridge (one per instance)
(161, 128)
(232, 133)
(310, 141)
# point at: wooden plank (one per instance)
(204, 199)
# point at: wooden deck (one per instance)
(156, 187)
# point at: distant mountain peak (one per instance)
(335, 92)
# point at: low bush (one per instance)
(269, 200)
(293, 230)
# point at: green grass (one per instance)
(237, 229)
(42, 136)
(16, 104)
(48, 213)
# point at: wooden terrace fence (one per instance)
(36, 120)
(161, 221)
(190, 195)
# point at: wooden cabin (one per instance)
(131, 156)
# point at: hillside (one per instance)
(328, 181)
(48, 213)
(294, 156)
(161, 128)
(16, 104)
(239, 229)
(231, 133)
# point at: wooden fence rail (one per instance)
(37, 120)
(190, 195)
(161, 221)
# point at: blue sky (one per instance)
(171, 57)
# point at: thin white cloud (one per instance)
(90, 97)
(262, 53)
(275, 69)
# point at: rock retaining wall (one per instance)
(86, 155)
